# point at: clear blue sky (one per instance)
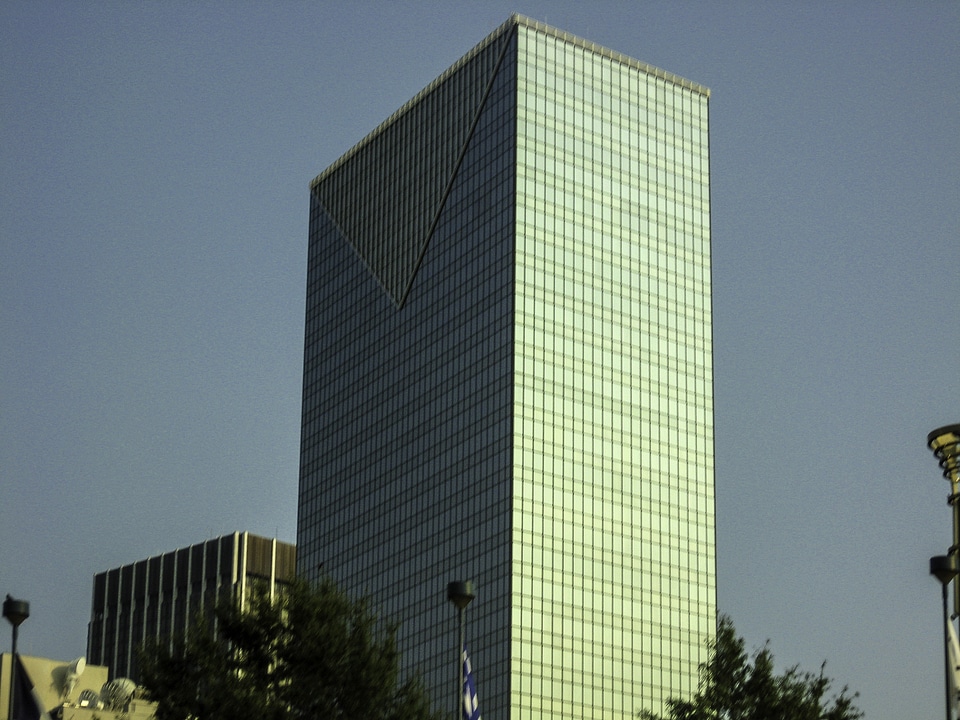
(155, 168)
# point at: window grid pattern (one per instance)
(537, 414)
(406, 458)
(614, 582)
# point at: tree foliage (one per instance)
(310, 653)
(734, 686)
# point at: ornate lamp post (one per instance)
(15, 611)
(460, 594)
(945, 444)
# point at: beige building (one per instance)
(58, 690)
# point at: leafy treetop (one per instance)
(734, 686)
(309, 653)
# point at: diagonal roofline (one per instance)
(505, 27)
(515, 20)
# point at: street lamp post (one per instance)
(15, 611)
(945, 444)
(944, 568)
(460, 594)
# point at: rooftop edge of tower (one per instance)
(515, 20)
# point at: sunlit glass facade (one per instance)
(508, 377)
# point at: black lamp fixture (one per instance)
(460, 593)
(15, 611)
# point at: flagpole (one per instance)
(463, 640)
(460, 594)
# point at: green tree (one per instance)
(734, 686)
(310, 653)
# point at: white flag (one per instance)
(471, 708)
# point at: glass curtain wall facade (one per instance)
(613, 519)
(508, 378)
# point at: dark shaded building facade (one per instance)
(508, 377)
(157, 598)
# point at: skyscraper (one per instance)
(508, 377)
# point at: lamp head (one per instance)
(945, 443)
(15, 611)
(943, 567)
(460, 593)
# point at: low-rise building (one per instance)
(157, 598)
